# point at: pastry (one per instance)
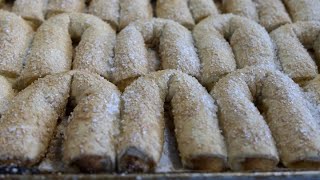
(292, 42)
(199, 140)
(303, 10)
(52, 50)
(6, 94)
(270, 14)
(107, 10)
(173, 42)
(89, 141)
(185, 12)
(15, 38)
(31, 10)
(28, 125)
(249, 44)
(254, 98)
(63, 6)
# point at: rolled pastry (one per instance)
(31, 10)
(175, 48)
(242, 97)
(6, 94)
(51, 50)
(176, 10)
(56, 7)
(303, 10)
(107, 10)
(201, 9)
(89, 141)
(199, 140)
(292, 42)
(29, 123)
(134, 10)
(270, 14)
(15, 38)
(249, 45)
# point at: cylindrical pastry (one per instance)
(134, 10)
(175, 46)
(250, 45)
(51, 50)
(89, 141)
(249, 141)
(200, 143)
(292, 42)
(6, 94)
(62, 6)
(270, 14)
(31, 10)
(15, 38)
(29, 123)
(201, 9)
(244, 8)
(303, 10)
(176, 10)
(107, 10)
(243, 96)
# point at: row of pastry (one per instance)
(253, 119)
(216, 47)
(119, 13)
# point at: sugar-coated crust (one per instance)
(142, 123)
(64, 6)
(252, 98)
(107, 10)
(175, 45)
(249, 45)
(291, 42)
(51, 50)
(32, 10)
(15, 38)
(6, 94)
(303, 10)
(270, 14)
(89, 141)
(28, 124)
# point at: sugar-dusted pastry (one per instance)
(303, 10)
(199, 140)
(29, 123)
(173, 41)
(15, 38)
(252, 98)
(107, 10)
(6, 94)
(62, 6)
(270, 14)
(31, 10)
(52, 50)
(228, 42)
(185, 12)
(89, 141)
(134, 10)
(176, 10)
(292, 42)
